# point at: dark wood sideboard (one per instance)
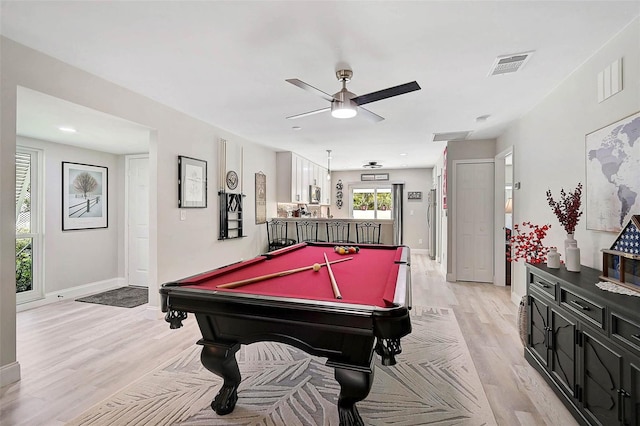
(586, 344)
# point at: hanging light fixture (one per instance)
(328, 164)
(346, 109)
(342, 106)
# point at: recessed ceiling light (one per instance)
(403, 154)
(297, 128)
(67, 129)
(405, 165)
(483, 118)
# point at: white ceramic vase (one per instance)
(553, 258)
(573, 257)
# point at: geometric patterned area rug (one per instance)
(433, 383)
(123, 297)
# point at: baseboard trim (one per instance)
(515, 298)
(451, 278)
(73, 292)
(9, 373)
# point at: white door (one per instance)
(474, 189)
(138, 220)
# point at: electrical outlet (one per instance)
(183, 214)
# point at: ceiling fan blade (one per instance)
(371, 116)
(309, 88)
(304, 114)
(386, 93)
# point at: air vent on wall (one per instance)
(509, 63)
(450, 136)
(372, 165)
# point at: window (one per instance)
(28, 226)
(371, 203)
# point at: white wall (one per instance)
(177, 248)
(415, 211)
(70, 256)
(549, 144)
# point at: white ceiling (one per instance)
(41, 116)
(226, 63)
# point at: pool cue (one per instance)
(334, 284)
(240, 283)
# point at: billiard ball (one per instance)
(316, 267)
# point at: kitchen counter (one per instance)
(386, 228)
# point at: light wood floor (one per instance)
(74, 355)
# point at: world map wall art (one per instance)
(613, 174)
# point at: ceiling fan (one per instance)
(372, 165)
(345, 104)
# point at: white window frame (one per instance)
(375, 188)
(37, 226)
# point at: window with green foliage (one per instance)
(371, 203)
(24, 265)
(28, 219)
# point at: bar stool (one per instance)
(278, 234)
(368, 233)
(338, 232)
(307, 231)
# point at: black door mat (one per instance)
(123, 297)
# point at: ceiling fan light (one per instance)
(343, 110)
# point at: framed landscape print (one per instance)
(192, 183)
(84, 196)
(613, 174)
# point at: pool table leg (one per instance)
(354, 386)
(220, 359)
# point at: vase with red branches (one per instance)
(526, 243)
(567, 210)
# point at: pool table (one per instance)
(301, 309)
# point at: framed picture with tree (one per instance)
(84, 196)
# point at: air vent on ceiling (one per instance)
(450, 136)
(509, 63)
(372, 165)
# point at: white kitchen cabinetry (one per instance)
(295, 174)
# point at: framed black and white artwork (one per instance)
(192, 183)
(84, 196)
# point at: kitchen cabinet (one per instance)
(294, 175)
(586, 344)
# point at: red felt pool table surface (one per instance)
(369, 278)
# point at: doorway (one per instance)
(504, 205)
(65, 131)
(474, 222)
(137, 217)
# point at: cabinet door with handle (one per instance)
(601, 382)
(630, 395)
(539, 331)
(563, 351)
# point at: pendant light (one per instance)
(328, 164)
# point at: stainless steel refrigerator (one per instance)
(431, 222)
